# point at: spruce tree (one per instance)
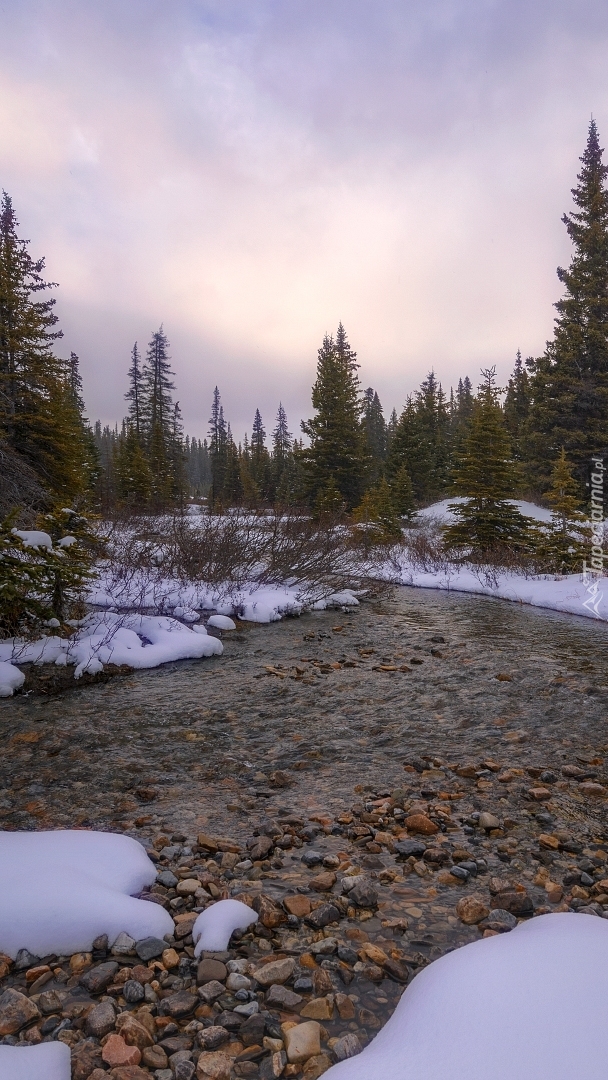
(40, 414)
(374, 426)
(487, 524)
(402, 493)
(158, 417)
(281, 454)
(218, 452)
(561, 547)
(135, 393)
(569, 384)
(260, 458)
(336, 456)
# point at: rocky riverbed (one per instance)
(381, 786)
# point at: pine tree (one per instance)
(260, 458)
(402, 493)
(336, 455)
(135, 393)
(374, 426)
(39, 408)
(281, 457)
(133, 476)
(561, 547)
(218, 452)
(420, 442)
(487, 522)
(569, 383)
(158, 418)
(517, 407)
(378, 512)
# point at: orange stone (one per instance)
(297, 905)
(420, 823)
(116, 1052)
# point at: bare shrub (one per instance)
(151, 556)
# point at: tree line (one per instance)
(540, 431)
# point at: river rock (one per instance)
(299, 905)
(323, 882)
(180, 1004)
(116, 1052)
(213, 1066)
(212, 1037)
(420, 823)
(499, 920)
(346, 1047)
(303, 1041)
(133, 1032)
(488, 821)
(277, 971)
(363, 895)
(323, 916)
(471, 910)
(101, 1019)
(97, 979)
(209, 969)
(270, 913)
(279, 997)
(149, 948)
(16, 1010)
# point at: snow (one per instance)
(48, 1061)
(11, 679)
(138, 641)
(526, 1005)
(570, 594)
(66, 541)
(61, 890)
(33, 539)
(221, 622)
(214, 926)
(439, 514)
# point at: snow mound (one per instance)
(527, 1005)
(48, 1061)
(61, 890)
(137, 641)
(440, 514)
(214, 926)
(10, 679)
(221, 622)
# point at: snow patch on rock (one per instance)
(213, 928)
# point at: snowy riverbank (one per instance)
(173, 626)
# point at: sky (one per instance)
(249, 173)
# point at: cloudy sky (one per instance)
(250, 172)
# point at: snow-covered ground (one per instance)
(525, 1005)
(440, 514)
(115, 634)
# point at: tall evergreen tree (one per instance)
(420, 442)
(487, 522)
(135, 393)
(374, 426)
(517, 407)
(218, 451)
(158, 415)
(336, 455)
(569, 383)
(260, 458)
(39, 415)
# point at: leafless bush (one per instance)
(225, 553)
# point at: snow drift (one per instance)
(214, 927)
(61, 890)
(48, 1061)
(527, 1005)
